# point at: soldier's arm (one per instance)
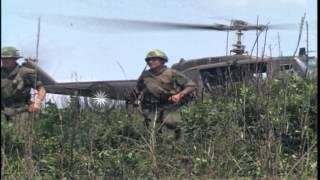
(31, 79)
(187, 90)
(187, 85)
(41, 93)
(39, 97)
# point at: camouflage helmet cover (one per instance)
(156, 53)
(10, 52)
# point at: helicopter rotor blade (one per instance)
(128, 25)
(236, 22)
(165, 25)
(284, 26)
(109, 24)
(235, 25)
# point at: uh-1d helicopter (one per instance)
(208, 73)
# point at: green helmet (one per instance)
(156, 53)
(10, 52)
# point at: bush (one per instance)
(256, 129)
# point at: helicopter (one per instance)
(209, 73)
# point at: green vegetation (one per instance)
(258, 129)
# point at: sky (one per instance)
(88, 51)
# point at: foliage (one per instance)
(258, 129)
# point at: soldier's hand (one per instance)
(33, 107)
(176, 98)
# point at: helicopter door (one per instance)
(213, 79)
(219, 77)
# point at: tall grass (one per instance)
(257, 129)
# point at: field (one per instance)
(262, 129)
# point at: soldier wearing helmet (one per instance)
(16, 103)
(163, 89)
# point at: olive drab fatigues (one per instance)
(15, 96)
(154, 90)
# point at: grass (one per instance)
(264, 130)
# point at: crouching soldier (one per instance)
(16, 104)
(163, 90)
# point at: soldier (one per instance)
(164, 90)
(16, 104)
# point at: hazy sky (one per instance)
(93, 51)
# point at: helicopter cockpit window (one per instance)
(285, 67)
(217, 77)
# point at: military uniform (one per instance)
(16, 84)
(155, 89)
